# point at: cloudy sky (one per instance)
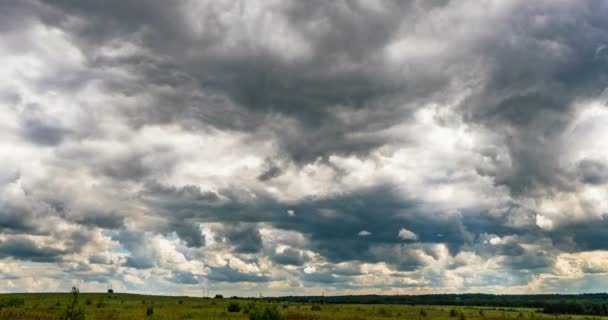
(295, 147)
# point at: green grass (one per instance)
(130, 306)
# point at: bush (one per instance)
(453, 313)
(234, 307)
(149, 310)
(219, 296)
(423, 313)
(73, 310)
(315, 307)
(268, 312)
(88, 302)
(100, 303)
(180, 302)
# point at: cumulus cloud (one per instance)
(280, 146)
(406, 234)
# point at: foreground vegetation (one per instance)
(74, 306)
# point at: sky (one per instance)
(300, 147)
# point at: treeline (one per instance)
(586, 308)
(589, 304)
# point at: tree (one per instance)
(73, 310)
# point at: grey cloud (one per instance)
(229, 274)
(26, 249)
(331, 89)
(42, 129)
(244, 238)
(185, 278)
(190, 233)
(593, 172)
(290, 256)
(141, 256)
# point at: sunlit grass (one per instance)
(128, 306)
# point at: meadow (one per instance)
(130, 306)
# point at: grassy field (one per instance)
(129, 306)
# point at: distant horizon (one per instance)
(321, 296)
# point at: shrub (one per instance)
(180, 302)
(219, 296)
(315, 307)
(100, 303)
(234, 307)
(73, 310)
(88, 302)
(453, 313)
(268, 312)
(149, 310)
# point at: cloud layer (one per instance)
(287, 146)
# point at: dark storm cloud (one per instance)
(256, 79)
(333, 223)
(323, 80)
(530, 100)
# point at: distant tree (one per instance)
(73, 310)
(219, 296)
